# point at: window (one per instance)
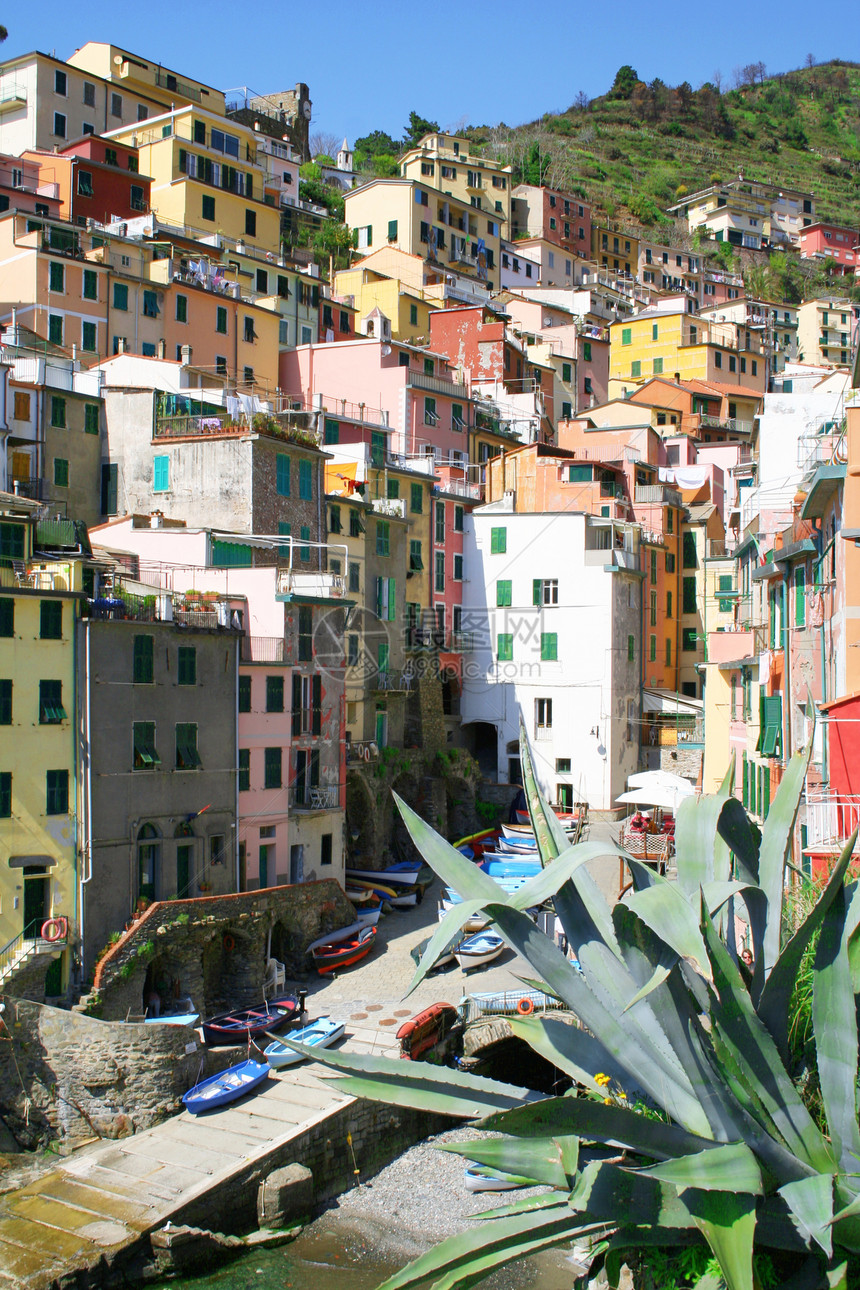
(503, 592)
(22, 406)
(690, 558)
(635, 369)
(244, 770)
(115, 110)
(331, 431)
(458, 568)
(325, 849)
(221, 320)
(143, 668)
(5, 794)
(334, 521)
(459, 515)
(109, 489)
(586, 351)
(55, 329)
(187, 756)
(89, 337)
(440, 522)
(56, 276)
(652, 649)
(220, 365)
(248, 335)
(543, 714)
(5, 703)
(416, 564)
(549, 647)
(274, 694)
(60, 83)
(306, 628)
(251, 223)
(732, 363)
(626, 335)
(273, 772)
(545, 591)
(186, 672)
(150, 305)
(439, 581)
(668, 604)
(770, 733)
(58, 412)
(566, 371)
(60, 125)
(718, 359)
(670, 525)
(182, 309)
(120, 296)
(57, 792)
(689, 637)
(430, 414)
(383, 537)
(144, 753)
(689, 595)
(305, 480)
(207, 207)
(800, 596)
(305, 536)
(61, 472)
(12, 541)
(657, 366)
(668, 652)
(244, 693)
(504, 647)
(354, 577)
(160, 474)
(356, 528)
(653, 609)
(498, 541)
(51, 620)
(282, 474)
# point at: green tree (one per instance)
(375, 142)
(417, 128)
(624, 83)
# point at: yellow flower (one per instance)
(602, 1079)
(607, 1101)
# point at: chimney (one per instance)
(156, 520)
(161, 348)
(186, 355)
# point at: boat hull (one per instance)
(476, 951)
(330, 958)
(319, 1034)
(426, 1029)
(240, 1026)
(220, 1090)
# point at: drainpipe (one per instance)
(86, 766)
(236, 762)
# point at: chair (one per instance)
(276, 976)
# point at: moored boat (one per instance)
(426, 1029)
(247, 1023)
(340, 954)
(225, 1087)
(402, 874)
(317, 1034)
(477, 950)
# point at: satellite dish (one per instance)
(117, 58)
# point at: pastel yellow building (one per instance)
(415, 217)
(404, 306)
(38, 811)
(142, 78)
(445, 162)
(683, 347)
(206, 176)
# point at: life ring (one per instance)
(525, 1007)
(55, 929)
(228, 943)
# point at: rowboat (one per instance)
(426, 1029)
(404, 874)
(340, 954)
(511, 868)
(175, 1019)
(341, 934)
(477, 950)
(482, 1178)
(359, 895)
(240, 1026)
(317, 1034)
(445, 955)
(220, 1089)
(476, 923)
(368, 917)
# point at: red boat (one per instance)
(426, 1029)
(328, 958)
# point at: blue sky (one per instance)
(368, 64)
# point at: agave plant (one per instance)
(720, 1150)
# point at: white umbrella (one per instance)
(654, 795)
(663, 778)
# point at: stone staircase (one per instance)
(23, 964)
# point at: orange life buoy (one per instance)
(229, 943)
(55, 929)
(525, 1007)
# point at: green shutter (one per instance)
(392, 599)
(505, 647)
(689, 594)
(537, 591)
(800, 596)
(549, 647)
(626, 335)
(498, 541)
(691, 559)
(305, 480)
(631, 648)
(282, 468)
(503, 593)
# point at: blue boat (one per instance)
(511, 868)
(317, 1034)
(226, 1087)
(477, 950)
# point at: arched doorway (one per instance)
(148, 861)
(482, 741)
(184, 835)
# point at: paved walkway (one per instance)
(104, 1197)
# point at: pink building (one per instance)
(22, 188)
(835, 242)
(556, 216)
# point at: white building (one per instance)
(552, 602)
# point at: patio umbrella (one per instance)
(651, 778)
(663, 795)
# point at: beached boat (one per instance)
(341, 954)
(482, 1178)
(511, 868)
(317, 1034)
(477, 950)
(402, 874)
(220, 1089)
(360, 895)
(368, 917)
(247, 1023)
(175, 1019)
(426, 1029)
(340, 934)
(477, 923)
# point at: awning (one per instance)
(825, 483)
(669, 702)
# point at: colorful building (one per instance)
(679, 344)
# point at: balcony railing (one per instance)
(658, 494)
(262, 649)
(321, 797)
(293, 427)
(165, 81)
(831, 818)
(435, 385)
(393, 682)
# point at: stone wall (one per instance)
(214, 949)
(68, 1078)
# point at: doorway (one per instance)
(36, 893)
(264, 866)
(148, 856)
(297, 863)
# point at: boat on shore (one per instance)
(243, 1024)
(402, 874)
(477, 923)
(317, 1034)
(475, 951)
(227, 1086)
(341, 954)
(426, 1029)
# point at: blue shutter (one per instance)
(161, 474)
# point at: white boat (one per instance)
(403, 902)
(477, 950)
(393, 876)
(482, 1178)
(317, 1034)
(368, 917)
(342, 934)
(477, 923)
(360, 895)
